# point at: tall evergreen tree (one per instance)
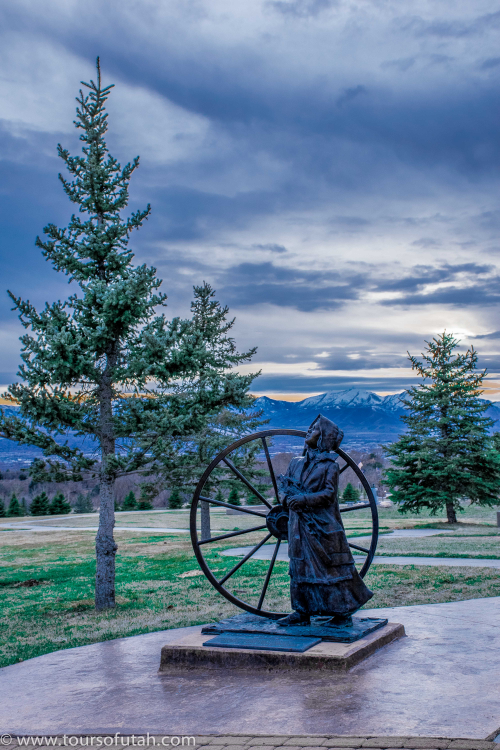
(14, 508)
(40, 505)
(447, 455)
(107, 338)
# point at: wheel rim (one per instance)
(198, 497)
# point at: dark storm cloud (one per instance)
(257, 283)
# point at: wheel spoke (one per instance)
(241, 508)
(348, 508)
(233, 533)
(241, 562)
(361, 549)
(245, 481)
(268, 576)
(271, 470)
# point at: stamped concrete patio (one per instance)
(442, 680)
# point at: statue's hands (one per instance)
(296, 502)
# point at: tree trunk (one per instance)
(205, 521)
(450, 513)
(105, 548)
(105, 545)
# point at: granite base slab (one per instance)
(189, 653)
(248, 623)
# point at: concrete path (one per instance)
(266, 552)
(39, 527)
(442, 680)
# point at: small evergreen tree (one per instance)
(2, 509)
(130, 502)
(447, 455)
(59, 505)
(14, 508)
(144, 503)
(253, 499)
(233, 498)
(350, 494)
(40, 505)
(175, 499)
(24, 507)
(220, 496)
(83, 504)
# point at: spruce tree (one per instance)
(106, 338)
(83, 504)
(59, 505)
(233, 498)
(2, 509)
(40, 505)
(14, 508)
(350, 494)
(175, 499)
(144, 503)
(181, 460)
(447, 455)
(129, 503)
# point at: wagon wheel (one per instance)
(267, 528)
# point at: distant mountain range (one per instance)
(366, 419)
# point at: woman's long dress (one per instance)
(323, 578)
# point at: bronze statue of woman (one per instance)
(323, 578)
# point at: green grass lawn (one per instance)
(46, 581)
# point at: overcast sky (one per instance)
(331, 167)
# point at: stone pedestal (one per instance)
(188, 652)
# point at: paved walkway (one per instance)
(266, 552)
(442, 680)
(39, 527)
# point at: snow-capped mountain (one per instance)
(364, 416)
